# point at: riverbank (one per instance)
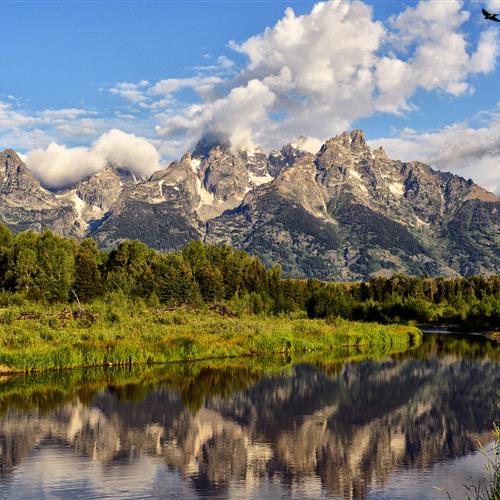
(108, 335)
(494, 336)
(194, 380)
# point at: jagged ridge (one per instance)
(347, 212)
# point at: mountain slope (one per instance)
(350, 212)
(347, 212)
(24, 204)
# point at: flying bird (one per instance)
(490, 17)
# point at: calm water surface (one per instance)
(392, 428)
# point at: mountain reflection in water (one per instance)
(254, 428)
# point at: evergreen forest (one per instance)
(47, 268)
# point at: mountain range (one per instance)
(348, 212)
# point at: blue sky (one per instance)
(59, 54)
(421, 78)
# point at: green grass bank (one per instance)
(119, 332)
(195, 380)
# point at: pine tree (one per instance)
(56, 267)
(6, 241)
(88, 280)
(24, 266)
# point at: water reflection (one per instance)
(253, 429)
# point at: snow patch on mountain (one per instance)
(195, 164)
(258, 180)
(397, 189)
(84, 211)
(206, 197)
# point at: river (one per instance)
(397, 427)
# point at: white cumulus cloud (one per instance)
(472, 152)
(317, 73)
(493, 6)
(238, 116)
(201, 84)
(313, 74)
(58, 166)
(439, 59)
(20, 128)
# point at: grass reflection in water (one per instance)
(341, 422)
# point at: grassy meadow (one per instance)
(119, 331)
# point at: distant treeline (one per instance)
(46, 267)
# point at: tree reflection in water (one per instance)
(341, 426)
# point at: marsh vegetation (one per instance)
(65, 303)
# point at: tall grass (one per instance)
(119, 331)
(195, 381)
(490, 489)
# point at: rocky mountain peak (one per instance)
(255, 162)
(11, 164)
(102, 189)
(15, 176)
(347, 212)
(110, 170)
(224, 174)
(354, 141)
(280, 160)
(380, 153)
(186, 157)
(358, 138)
(25, 204)
(9, 159)
(214, 147)
(208, 142)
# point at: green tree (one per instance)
(56, 267)
(6, 243)
(175, 283)
(129, 269)
(24, 265)
(88, 280)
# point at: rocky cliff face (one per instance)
(24, 204)
(347, 212)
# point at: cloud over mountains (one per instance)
(313, 74)
(316, 74)
(469, 152)
(58, 166)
